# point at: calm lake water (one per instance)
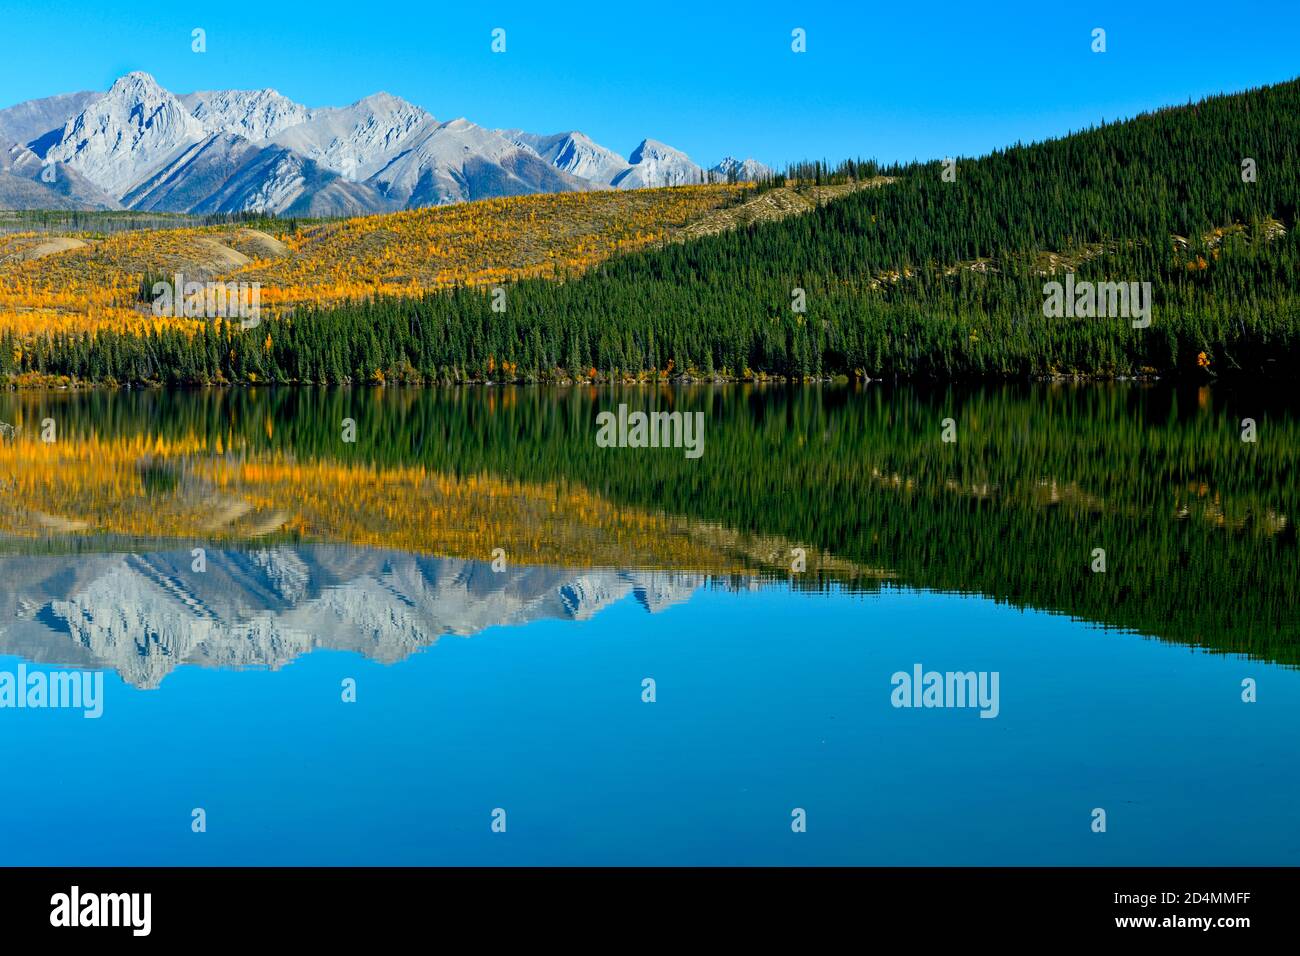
(364, 626)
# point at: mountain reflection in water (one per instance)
(144, 615)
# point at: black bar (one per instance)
(334, 905)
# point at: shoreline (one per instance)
(61, 384)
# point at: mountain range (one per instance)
(139, 146)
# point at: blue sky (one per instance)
(893, 81)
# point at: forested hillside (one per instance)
(932, 276)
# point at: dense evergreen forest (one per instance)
(932, 277)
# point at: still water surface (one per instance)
(231, 566)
